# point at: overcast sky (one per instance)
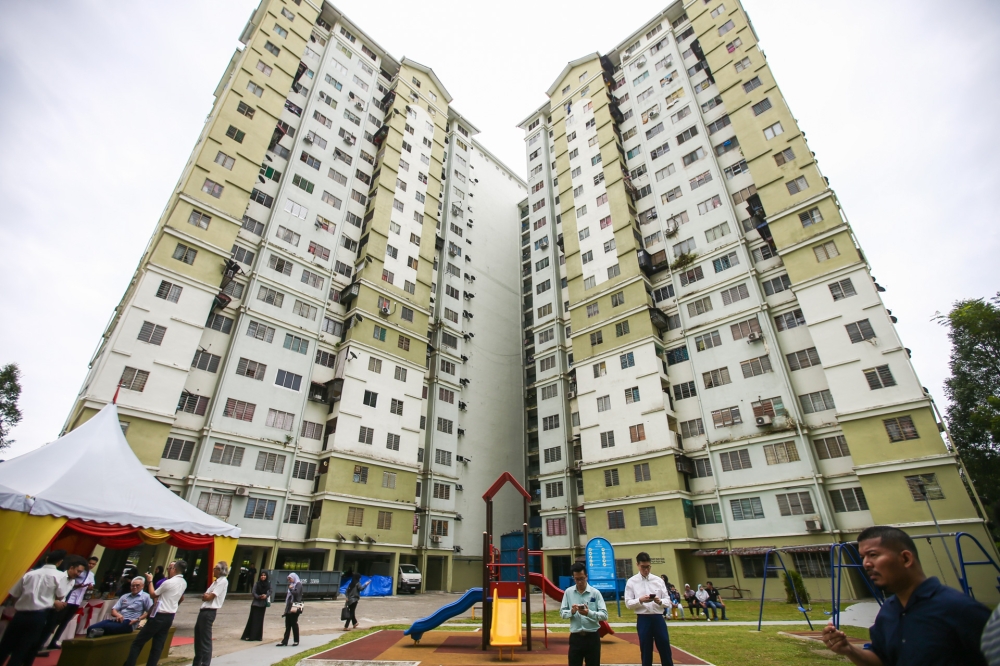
(101, 102)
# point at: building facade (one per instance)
(320, 342)
(710, 370)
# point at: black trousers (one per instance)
(584, 646)
(156, 630)
(291, 626)
(653, 630)
(58, 621)
(352, 607)
(24, 637)
(203, 637)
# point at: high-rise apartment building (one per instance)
(320, 342)
(710, 369)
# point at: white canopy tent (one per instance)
(92, 474)
(89, 483)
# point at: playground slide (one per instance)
(445, 613)
(550, 589)
(505, 630)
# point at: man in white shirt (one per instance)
(211, 602)
(74, 600)
(167, 597)
(39, 593)
(647, 595)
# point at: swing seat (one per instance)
(803, 610)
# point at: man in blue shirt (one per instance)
(130, 610)
(924, 623)
(584, 607)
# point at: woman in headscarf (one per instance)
(291, 615)
(353, 597)
(254, 630)
(702, 596)
(158, 576)
(692, 601)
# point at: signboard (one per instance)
(601, 564)
(601, 567)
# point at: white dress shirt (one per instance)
(76, 596)
(219, 589)
(639, 586)
(169, 594)
(39, 589)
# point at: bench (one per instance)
(737, 591)
(107, 650)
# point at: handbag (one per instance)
(267, 602)
(297, 608)
(345, 613)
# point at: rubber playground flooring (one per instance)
(445, 648)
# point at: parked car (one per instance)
(409, 579)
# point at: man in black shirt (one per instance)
(924, 623)
(714, 602)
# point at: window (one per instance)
(806, 358)
(701, 306)
(279, 419)
(811, 216)
(218, 322)
(842, 289)
(236, 135)
(178, 449)
(245, 109)
(707, 514)
(735, 460)
(773, 131)
(677, 355)
(849, 499)
(621, 329)
(442, 457)
(762, 253)
(922, 484)
(616, 521)
(797, 185)
(692, 428)
(151, 333)
(215, 504)
(355, 516)
(717, 232)
(747, 509)
(860, 331)
(133, 379)
(879, 377)
(708, 340)
(777, 285)
(762, 106)
(604, 403)
(812, 565)
(596, 338)
(270, 462)
(445, 425)
(637, 433)
(753, 567)
(789, 320)
(726, 262)
(169, 291)
(608, 442)
(831, 447)
(785, 156)
(816, 402)
(755, 366)
(715, 378)
(288, 380)
(238, 409)
(684, 390)
(260, 509)
(442, 491)
(692, 275)
(726, 417)
(782, 452)
(554, 489)
(900, 429)
(184, 253)
(709, 205)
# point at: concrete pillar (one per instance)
(395, 572)
(422, 565)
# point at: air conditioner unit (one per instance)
(464, 358)
(349, 140)
(461, 432)
(435, 538)
(359, 106)
(814, 525)
(543, 243)
(458, 549)
(753, 337)
(458, 486)
(653, 113)
(242, 491)
(385, 311)
(308, 138)
(451, 252)
(763, 421)
(458, 517)
(462, 405)
(571, 394)
(640, 62)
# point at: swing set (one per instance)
(845, 556)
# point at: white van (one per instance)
(409, 579)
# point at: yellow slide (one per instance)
(505, 631)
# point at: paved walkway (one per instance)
(267, 654)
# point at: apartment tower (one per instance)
(316, 344)
(710, 369)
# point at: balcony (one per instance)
(608, 66)
(349, 293)
(533, 470)
(616, 112)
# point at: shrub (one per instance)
(793, 578)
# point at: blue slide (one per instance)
(445, 613)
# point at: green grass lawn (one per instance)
(736, 609)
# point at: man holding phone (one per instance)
(648, 597)
(584, 607)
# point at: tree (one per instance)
(974, 391)
(10, 391)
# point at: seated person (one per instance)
(675, 602)
(130, 610)
(714, 602)
(693, 604)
